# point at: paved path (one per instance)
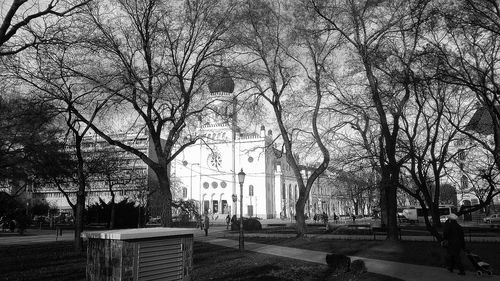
(404, 271)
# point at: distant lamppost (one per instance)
(241, 180)
(235, 199)
(191, 180)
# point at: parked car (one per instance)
(494, 218)
(402, 218)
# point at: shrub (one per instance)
(8, 205)
(358, 266)
(126, 213)
(351, 231)
(185, 211)
(22, 221)
(248, 224)
(338, 262)
(40, 208)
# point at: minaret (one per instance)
(221, 87)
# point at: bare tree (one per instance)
(383, 36)
(26, 22)
(358, 186)
(154, 57)
(44, 74)
(466, 53)
(427, 142)
(278, 49)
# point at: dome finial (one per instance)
(221, 81)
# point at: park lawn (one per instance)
(413, 252)
(56, 262)
(213, 262)
(43, 261)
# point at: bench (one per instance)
(383, 231)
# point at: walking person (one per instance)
(206, 224)
(228, 220)
(325, 220)
(453, 240)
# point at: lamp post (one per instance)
(191, 180)
(241, 180)
(235, 199)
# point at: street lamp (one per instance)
(241, 180)
(185, 163)
(235, 199)
(191, 180)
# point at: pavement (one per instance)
(219, 236)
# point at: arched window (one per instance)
(461, 156)
(250, 190)
(184, 192)
(465, 182)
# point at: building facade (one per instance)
(121, 172)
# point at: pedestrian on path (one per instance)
(206, 224)
(325, 220)
(454, 242)
(228, 220)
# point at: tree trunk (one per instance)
(435, 214)
(166, 199)
(80, 196)
(391, 195)
(300, 218)
(112, 213)
(80, 207)
(383, 205)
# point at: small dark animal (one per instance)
(338, 262)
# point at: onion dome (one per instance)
(221, 81)
(481, 122)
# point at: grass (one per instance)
(43, 261)
(56, 262)
(213, 262)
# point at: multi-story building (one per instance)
(472, 161)
(121, 172)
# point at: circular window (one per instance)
(214, 184)
(223, 184)
(206, 185)
(250, 159)
(215, 160)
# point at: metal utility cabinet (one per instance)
(140, 254)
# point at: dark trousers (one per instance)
(206, 231)
(455, 260)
